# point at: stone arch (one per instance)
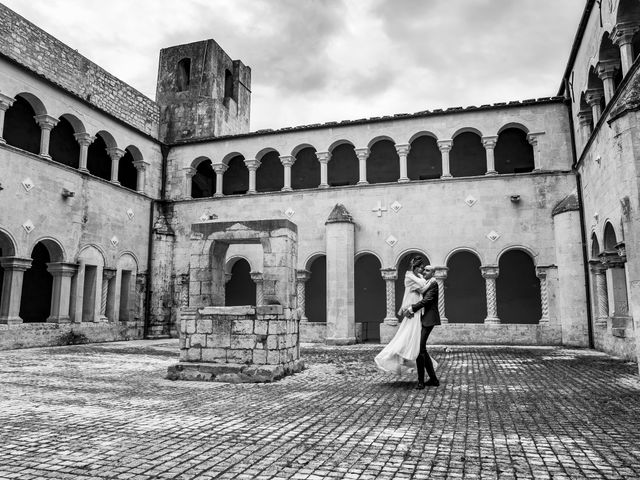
(424, 160)
(203, 182)
(343, 168)
(265, 151)
(628, 13)
(402, 266)
(468, 156)
(595, 246)
(92, 253)
(127, 172)
(240, 289)
(464, 249)
(379, 138)
(423, 133)
(518, 288)
(20, 127)
(305, 171)
(235, 180)
(270, 174)
(462, 130)
(464, 287)
(369, 294)
(91, 259)
(594, 83)
(383, 163)
(63, 146)
(54, 248)
(98, 158)
(311, 258)
(362, 253)
(513, 152)
(528, 250)
(231, 261)
(338, 143)
(516, 125)
(129, 261)
(75, 122)
(108, 139)
(610, 53)
(37, 285)
(301, 147)
(315, 292)
(123, 288)
(7, 244)
(609, 237)
(230, 156)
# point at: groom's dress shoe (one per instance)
(433, 382)
(420, 386)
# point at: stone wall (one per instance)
(48, 57)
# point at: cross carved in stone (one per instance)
(379, 209)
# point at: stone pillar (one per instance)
(287, 162)
(5, 104)
(440, 274)
(585, 119)
(363, 154)
(84, 140)
(622, 36)
(252, 166)
(189, 173)
(46, 123)
(541, 273)
(403, 151)
(534, 140)
(219, 168)
(184, 289)
(323, 158)
(61, 291)
(593, 96)
(606, 70)
(601, 300)
(107, 275)
(116, 154)
(489, 144)
(616, 283)
(302, 276)
(390, 275)
(14, 268)
(141, 167)
(258, 279)
(490, 273)
(340, 238)
(445, 148)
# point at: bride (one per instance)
(399, 355)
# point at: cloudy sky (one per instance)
(328, 60)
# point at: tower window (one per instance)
(183, 75)
(228, 84)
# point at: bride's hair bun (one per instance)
(416, 262)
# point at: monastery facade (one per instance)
(527, 209)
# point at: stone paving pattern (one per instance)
(106, 411)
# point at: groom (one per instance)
(430, 318)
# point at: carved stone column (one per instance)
(116, 154)
(607, 70)
(287, 162)
(107, 275)
(403, 151)
(46, 123)
(440, 274)
(219, 168)
(141, 167)
(533, 139)
(622, 36)
(362, 154)
(5, 104)
(489, 144)
(598, 269)
(189, 173)
(490, 273)
(252, 166)
(323, 158)
(302, 276)
(593, 96)
(390, 275)
(61, 291)
(84, 140)
(616, 282)
(585, 120)
(14, 268)
(184, 290)
(258, 279)
(541, 273)
(445, 148)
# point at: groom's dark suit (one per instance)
(430, 318)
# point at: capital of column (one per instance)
(84, 139)
(323, 157)
(533, 137)
(445, 145)
(389, 274)
(593, 96)
(287, 160)
(622, 250)
(252, 164)
(489, 142)
(623, 32)
(115, 153)
(440, 273)
(15, 263)
(490, 271)
(403, 148)
(108, 273)
(303, 275)
(362, 153)
(6, 102)
(220, 168)
(597, 267)
(61, 269)
(257, 277)
(46, 122)
(607, 68)
(611, 259)
(190, 171)
(141, 165)
(585, 117)
(542, 272)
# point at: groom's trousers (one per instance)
(424, 360)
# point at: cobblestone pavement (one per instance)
(105, 411)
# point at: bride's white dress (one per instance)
(399, 355)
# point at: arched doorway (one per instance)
(343, 169)
(518, 289)
(315, 293)
(403, 266)
(513, 152)
(425, 159)
(383, 164)
(270, 175)
(240, 289)
(370, 296)
(20, 128)
(468, 156)
(35, 304)
(465, 291)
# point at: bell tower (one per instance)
(202, 92)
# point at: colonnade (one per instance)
(609, 285)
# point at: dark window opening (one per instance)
(183, 75)
(370, 296)
(241, 289)
(236, 179)
(464, 290)
(343, 169)
(468, 157)
(518, 289)
(383, 163)
(35, 304)
(228, 85)
(270, 175)
(203, 183)
(20, 128)
(315, 292)
(305, 172)
(424, 161)
(63, 146)
(98, 160)
(513, 152)
(127, 173)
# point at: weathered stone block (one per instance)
(273, 357)
(272, 342)
(194, 354)
(197, 340)
(216, 355)
(238, 310)
(182, 342)
(242, 327)
(243, 341)
(260, 357)
(239, 356)
(269, 310)
(205, 325)
(261, 327)
(219, 341)
(190, 326)
(277, 326)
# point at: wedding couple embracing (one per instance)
(419, 313)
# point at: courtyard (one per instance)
(106, 411)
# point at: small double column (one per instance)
(84, 140)
(62, 274)
(489, 144)
(362, 154)
(189, 173)
(5, 104)
(108, 274)
(622, 36)
(403, 152)
(490, 273)
(46, 124)
(287, 162)
(440, 275)
(302, 276)
(219, 169)
(585, 120)
(445, 148)
(324, 158)
(541, 273)
(534, 140)
(252, 165)
(607, 70)
(390, 275)
(116, 154)
(258, 279)
(141, 167)
(14, 268)
(601, 300)
(593, 97)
